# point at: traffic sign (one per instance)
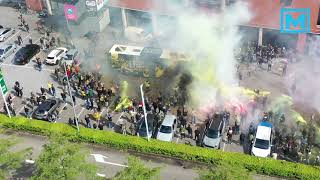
(3, 86)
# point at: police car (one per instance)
(262, 143)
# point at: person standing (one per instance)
(39, 63)
(20, 41)
(269, 64)
(50, 88)
(27, 27)
(41, 42)
(88, 122)
(229, 135)
(30, 40)
(42, 90)
(53, 89)
(73, 99)
(27, 112)
(64, 97)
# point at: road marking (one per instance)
(100, 158)
(101, 175)
(13, 36)
(26, 67)
(80, 112)
(37, 40)
(27, 36)
(28, 161)
(21, 109)
(62, 108)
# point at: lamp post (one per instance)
(74, 110)
(144, 111)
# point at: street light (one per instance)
(144, 111)
(74, 110)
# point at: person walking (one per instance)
(50, 88)
(64, 97)
(269, 65)
(20, 41)
(229, 135)
(53, 89)
(27, 112)
(30, 40)
(74, 99)
(27, 27)
(41, 42)
(39, 63)
(42, 90)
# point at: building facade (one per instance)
(264, 27)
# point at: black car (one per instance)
(46, 108)
(142, 129)
(24, 55)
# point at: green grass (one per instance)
(266, 166)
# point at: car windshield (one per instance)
(1, 51)
(69, 56)
(21, 52)
(165, 129)
(211, 133)
(261, 144)
(50, 57)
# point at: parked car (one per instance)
(45, 108)
(5, 33)
(167, 128)
(71, 57)
(56, 55)
(6, 50)
(24, 55)
(213, 132)
(262, 142)
(142, 129)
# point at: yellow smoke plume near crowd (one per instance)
(125, 102)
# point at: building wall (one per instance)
(35, 5)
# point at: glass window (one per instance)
(211, 133)
(166, 129)
(261, 144)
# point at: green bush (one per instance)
(265, 166)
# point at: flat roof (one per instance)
(126, 50)
(263, 132)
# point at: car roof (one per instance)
(264, 132)
(169, 120)
(54, 52)
(215, 123)
(2, 30)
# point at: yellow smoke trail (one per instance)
(125, 102)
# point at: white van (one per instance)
(262, 143)
(167, 128)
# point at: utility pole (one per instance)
(144, 111)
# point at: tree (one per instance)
(61, 159)
(137, 171)
(225, 172)
(10, 161)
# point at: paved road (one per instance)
(111, 161)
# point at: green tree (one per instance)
(63, 160)
(224, 172)
(136, 170)
(10, 161)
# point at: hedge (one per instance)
(265, 166)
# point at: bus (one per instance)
(144, 61)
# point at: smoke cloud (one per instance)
(211, 41)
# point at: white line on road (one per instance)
(27, 36)
(100, 158)
(101, 175)
(62, 108)
(13, 35)
(26, 67)
(80, 112)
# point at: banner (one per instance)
(70, 12)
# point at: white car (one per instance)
(6, 50)
(5, 33)
(167, 128)
(56, 55)
(262, 143)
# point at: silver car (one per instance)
(6, 50)
(5, 33)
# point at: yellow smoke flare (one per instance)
(125, 102)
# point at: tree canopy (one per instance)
(62, 160)
(136, 170)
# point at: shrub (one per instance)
(265, 166)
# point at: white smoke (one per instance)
(211, 40)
